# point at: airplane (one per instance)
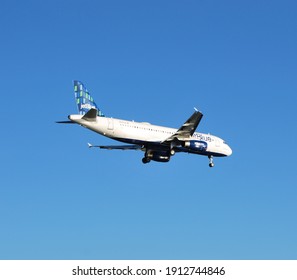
(158, 143)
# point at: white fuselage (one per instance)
(137, 132)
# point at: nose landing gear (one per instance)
(211, 164)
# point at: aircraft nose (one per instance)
(228, 151)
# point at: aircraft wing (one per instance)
(121, 147)
(187, 129)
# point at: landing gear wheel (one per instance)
(211, 164)
(145, 160)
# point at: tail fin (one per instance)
(84, 100)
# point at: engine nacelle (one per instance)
(196, 145)
(161, 156)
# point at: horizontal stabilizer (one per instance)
(122, 147)
(90, 115)
(68, 122)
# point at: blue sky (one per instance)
(236, 61)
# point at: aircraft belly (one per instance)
(214, 150)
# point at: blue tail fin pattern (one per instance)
(84, 100)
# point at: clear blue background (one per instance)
(236, 61)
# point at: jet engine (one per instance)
(161, 156)
(196, 145)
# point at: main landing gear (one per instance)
(211, 164)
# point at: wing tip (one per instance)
(197, 111)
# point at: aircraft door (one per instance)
(110, 124)
(217, 143)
